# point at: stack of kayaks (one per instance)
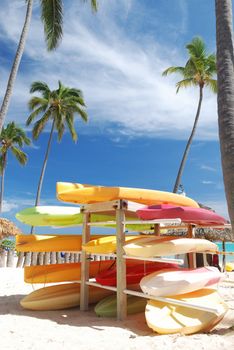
(158, 280)
(186, 286)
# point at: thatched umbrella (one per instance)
(8, 228)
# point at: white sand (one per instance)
(73, 329)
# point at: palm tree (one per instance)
(52, 18)
(198, 71)
(12, 139)
(59, 107)
(225, 73)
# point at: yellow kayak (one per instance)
(166, 318)
(50, 243)
(149, 246)
(229, 267)
(61, 296)
(62, 272)
(79, 193)
(105, 245)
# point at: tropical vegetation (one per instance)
(57, 107)
(225, 75)
(52, 19)
(12, 139)
(199, 71)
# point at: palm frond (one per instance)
(70, 123)
(196, 48)
(172, 70)
(40, 124)
(81, 112)
(37, 101)
(19, 154)
(52, 18)
(39, 86)
(94, 5)
(185, 83)
(34, 114)
(212, 84)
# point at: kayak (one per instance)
(173, 282)
(151, 246)
(190, 215)
(105, 245)
(62, 272)
(61, 296)
(49, 243)
(134, 273)
(229, 266)
(50, 216)
(108, 306)
(84, 194)
(61, 216)
(167, 318)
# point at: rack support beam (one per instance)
(121, 265)
(84, 288)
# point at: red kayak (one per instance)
(190, 215)
(133, 273)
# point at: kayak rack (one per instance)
(121, 209)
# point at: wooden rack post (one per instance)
(121, 263)
(191, 256)
(84, 288)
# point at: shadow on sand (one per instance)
(10, 305)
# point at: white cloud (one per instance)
(208, 168)
(207, 182)
(9, 206)
(119, 73)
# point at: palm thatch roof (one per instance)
(8, 228)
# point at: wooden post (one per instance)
(191, 256)
(84, 288)
(157, 229)
(121, 265)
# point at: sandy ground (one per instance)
(73, 329)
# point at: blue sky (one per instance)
(138, 125)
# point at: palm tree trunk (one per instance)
(2, 180)
(187, 148)
(43, 169)
(16, 63)
(225, 73)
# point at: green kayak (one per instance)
(108, 306)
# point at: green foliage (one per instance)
(7, 244)
(200, 68)
(13, 138)
(60, 105)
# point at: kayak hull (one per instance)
(62, 272)
(61, 296)
(151, 246)
(166, 318)
(79, 193)
(134, 273)
(175, 282)
(198, 216)
(108, 306)
(50, 243)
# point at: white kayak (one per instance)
(151, 246)
(180, 281)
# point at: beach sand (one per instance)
(73, 329)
